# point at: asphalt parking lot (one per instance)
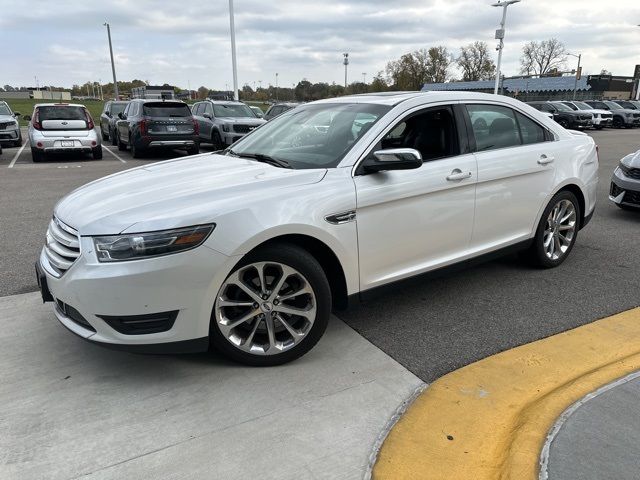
(431, 327)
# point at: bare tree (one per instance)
(475, 62)
(542, 58)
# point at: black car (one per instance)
(564, 115)
(147, 124)
(109, 118)
(275, 110)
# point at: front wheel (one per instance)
(617, 122)
(193, 150)
(272, 308)
(563, 123)
(557, 231)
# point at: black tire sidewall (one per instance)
(302, 261)
(540, 256)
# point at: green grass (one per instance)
(25, 107)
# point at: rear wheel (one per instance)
(97, 153)
(37, 155)
(112, 137)
(557, 231)
(136, 152)
(272, 308)
(193, 150)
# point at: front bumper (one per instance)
(229, 138)
(624, 190)
(89, 295)
(7, 135)
(603, 122)
(582, 123)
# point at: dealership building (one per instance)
(592, 87)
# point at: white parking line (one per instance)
(13, 162)
(114, 154)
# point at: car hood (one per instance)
(175, 193)
(596, 110)
(7, 118)
(624, 110)
(242, 120)
(632, 160)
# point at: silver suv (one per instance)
(9, 128)
(62, 127)
(223, 123)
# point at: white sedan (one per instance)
(248, 250)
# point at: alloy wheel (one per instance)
(265, 308)
(560, 229)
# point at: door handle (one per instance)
(544, 160)
(457, 174)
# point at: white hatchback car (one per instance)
(248, 251)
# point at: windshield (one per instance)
(312, 136)
(117, 108)
(570, 105)
(582, 106)
(232, 111)
(613, 105)
(562, 107)
(166, 109)
(4, 110)
(626, 104)
(62, 113)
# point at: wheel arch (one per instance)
(579, 194)
(325, 256)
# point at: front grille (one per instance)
(73, 315)
(243, 128)
(631, 197)
(585, 117)
(636, 115)
(631, 172)
(62, 247)
(607, 115)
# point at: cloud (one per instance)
(189, 44)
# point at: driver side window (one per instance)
(432, 132)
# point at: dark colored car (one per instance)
(275, 110)
(109, 118)
(622, 117)
(564, 115)
(148, 124)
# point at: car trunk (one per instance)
(168, 118)
(57, 119)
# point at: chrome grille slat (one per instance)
(62, 246)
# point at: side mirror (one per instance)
(393, 159)
(27, 118)
(121, 116)
(207, 115)
(108, 113)
(16, 114)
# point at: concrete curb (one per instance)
(490, 419)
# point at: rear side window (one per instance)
(166, 109)
(117, 108)
(61, 113)
(493, 127)
(530, 131)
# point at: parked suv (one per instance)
(628, 104)
(622, 117)
(224, 122)
(248, 250)
(109, 118)
(9, 127)
(62, 127)
(564, 115)
(601, 118)
(147, 124)
(280, 108)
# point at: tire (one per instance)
(37, 156)
(599, 127)
(193, 150)
(97, 153)
(121, 146)
(627, 208)
(104, 136)
(617, 122)
(538, 254)
(563, 123)
(303, 274)
(112, 136)
(216, 141)
(18, 143)
(136, 152)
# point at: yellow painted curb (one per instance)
(490, 419)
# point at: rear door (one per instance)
(168, 119)
(58, 119)
(515, 157)
(104, 118)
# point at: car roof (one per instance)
(53, 104)
(395, 98)
(224, 102)
(155, 100)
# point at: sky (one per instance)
(187, 43)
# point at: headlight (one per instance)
(625, 168)
(225, 128)
(118, 248)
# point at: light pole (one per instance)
(233, 51)
(500, 37)
(276, 86)
(364, 77)
(113, 66)
(346, 64)
(578, 73)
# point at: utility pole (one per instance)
(113, 66)
(276, 86)
(578, 73)
(233, 51)
(500, 37)
(364, 77)
(346, 64)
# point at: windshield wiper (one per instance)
(263, 158)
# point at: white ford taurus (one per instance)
(248, 250)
